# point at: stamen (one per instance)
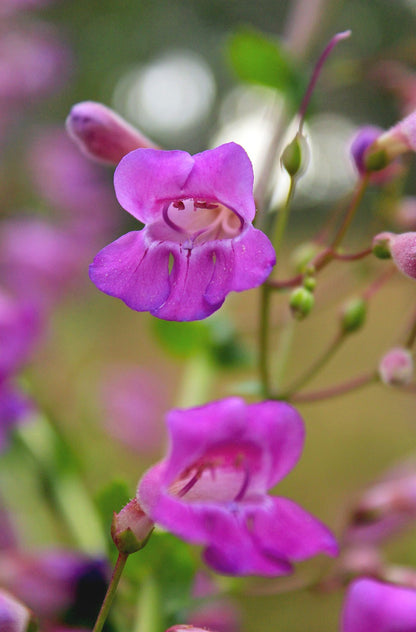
(169, 222)
(244, 485)
(179, 205)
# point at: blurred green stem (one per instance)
(148, 608)
(111, 591)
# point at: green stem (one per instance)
(315, 367)
(111, 591)
(283, 217)
(148, 617)
(264, 331)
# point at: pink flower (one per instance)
(373, 606)
(198, 243)
(402, 249)
(396, 367)
(212, 487)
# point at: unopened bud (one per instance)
(295, 155)
(381, 245)
(403, 252)
(353, 315)
(131, 528)
(362, 143)
(303, 255)
(102, 134)
(396, 367)
(309, 282)
(301, 302)
(14, 615)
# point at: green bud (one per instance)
(131, 528)
(303, 255)
(376, 160)
(291, 159)
(309, 283)
(353, 315)
(381, 246)
(301, 302)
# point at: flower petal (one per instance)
(254, 259)
(282, 527)
(134, 269)
(192, 276)
(373, 606)
(145, 177)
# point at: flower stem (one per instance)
(264, 331)
(283, 217)
(336, 390)
(111, 591)
(315, 367)
(355, 202)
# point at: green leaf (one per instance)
(261, 60)
(181, 339)
(112, 498)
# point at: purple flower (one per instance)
(53, 581)
(212, 487)
(401, 248)
(134, 403)
(373, 606)
(14, 616)
(198, 243)
(19, 329)
(15, 407)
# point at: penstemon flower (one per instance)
(212, 487)
(373, 606)
(198, 243)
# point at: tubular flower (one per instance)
(198, 243)
(212, 487)
(373, 606)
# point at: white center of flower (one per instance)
(199, 221)
(215, 480)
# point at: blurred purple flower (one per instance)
(14, 616)
(134, 403)
(385, 508)
(50, 582)
(198, 243)
(19, 330)
(77, 191)
(39, 260)
(396, 367)
(15, 408)
(373, 606)
(33, 60)
(212, 487)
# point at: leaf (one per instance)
(181, 339)
(261, 60)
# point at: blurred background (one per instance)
(100, 376)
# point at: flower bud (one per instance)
(385, 508)
(396, 367)
(353, 315)
(295, 155)
(14, 616)
(102, 134)
(303, 255)
(404, 214)
(399, 139)
(361, 142)
(403, 252)
(381, 246)
(131, 528)
(301, 302)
